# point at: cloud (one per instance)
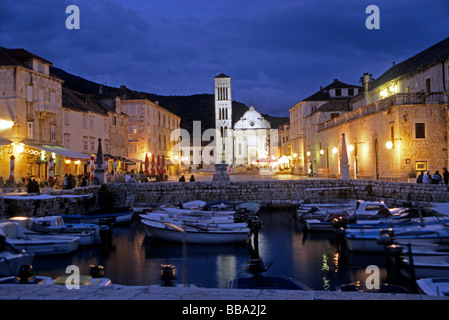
(277, 52)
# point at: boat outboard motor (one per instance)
(168, 273)
(26, 274)
(240, 215)
(385, 237)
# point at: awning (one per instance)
(70, 154)
(168, 162)
(134, 160)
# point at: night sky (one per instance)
(277, 52)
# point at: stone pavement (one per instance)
(121, 292)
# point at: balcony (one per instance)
(394, 100)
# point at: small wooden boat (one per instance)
(374, 240)
(434, 286)
(99, 218)
(54, 225)
(193, 233)
(11, 259)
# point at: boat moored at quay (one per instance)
(218, 221)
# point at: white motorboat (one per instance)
(418, 248)
(322, 217)
(37, 244)
(248, 207)
(194, 205)
(434, 286)
(88, 233)
(189, 217)
(11, 259)
(194, 233)
(426, 266)
(373, 240)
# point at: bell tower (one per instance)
(223, 119)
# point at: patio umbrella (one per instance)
(92, 167)
(114, 166)
(153, 171)
(11, 167)
(106, 166)
(158, 164)
(163, 165)
(147, 164)
(51, 170)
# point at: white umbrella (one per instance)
(344, 162)
(92, 167)
(51, 169)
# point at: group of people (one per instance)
(33, 186)
(436, 178)
(69, 181)
(183, 179)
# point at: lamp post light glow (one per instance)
(334, 150)
(308, 153)
(5, 124)
(321, 151)
(389, 145)
(351, 148)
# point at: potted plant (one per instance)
(9, 185)
(45, 187)
(19, 185)
(412, 176)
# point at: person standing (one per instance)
(436, 178)
(420, 177)
(427, 179)
(445, 176)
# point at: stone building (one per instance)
(396, 127)
(245, 141)
(85, 120)
(329, 102)
(150, 128)
(31, 100)
(251, 136)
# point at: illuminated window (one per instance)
(420, 130)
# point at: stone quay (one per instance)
(269, 193)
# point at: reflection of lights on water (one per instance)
(326, 284)
(336, 259)
(226, 269)
(325, 266)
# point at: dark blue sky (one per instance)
(277, 52)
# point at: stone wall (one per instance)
(278, 193)
(269, 193)
(75, 201)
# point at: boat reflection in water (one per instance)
(311, 258)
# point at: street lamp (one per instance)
(5, 124)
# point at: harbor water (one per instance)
(315, 259)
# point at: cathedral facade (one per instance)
(245, 142)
